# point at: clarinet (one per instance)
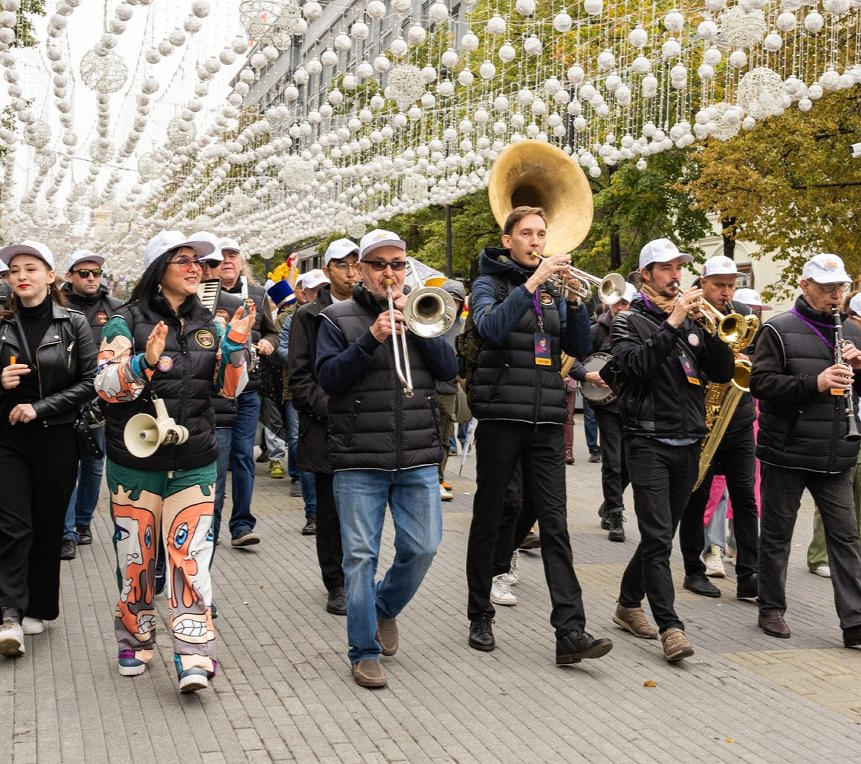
(852, 433)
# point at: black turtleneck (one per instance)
(35, 322)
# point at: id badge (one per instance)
(543, 349)
(690, 371)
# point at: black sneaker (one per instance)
(577, 645)
(532, 541)
(310, 527)
(264, 456)
(605, 522)
(69, 550)
(595, 457)
(617, 529)
(336, 602)
(85, 537)
(749, 589)
(245, 537)
(160, 574)
(481, 634)
(699, 584)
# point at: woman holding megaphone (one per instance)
(162, 357)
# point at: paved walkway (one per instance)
(284, 690)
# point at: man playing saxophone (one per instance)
(734, 454)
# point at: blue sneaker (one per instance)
(193, 679)
(130, 665)
(214, 610)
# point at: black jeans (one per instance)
(39, 467)
(329, 553)
(662, 477)
(781, 496)
(614, 470)
(736, 455)
(500, 447)
(518, 517)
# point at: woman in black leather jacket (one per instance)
(48, 361)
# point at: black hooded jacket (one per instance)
(97, 308)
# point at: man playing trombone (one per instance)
(518, 397)
(385, 446)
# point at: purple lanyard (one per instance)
(537, 306)
(812, 325)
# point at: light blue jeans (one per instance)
(361, 497)
(85, 497)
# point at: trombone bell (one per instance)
(429, 311)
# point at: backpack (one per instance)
(469, 342)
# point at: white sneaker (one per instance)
(11, 638)
(822, 570)
(445, 494)
(500, 593)
(32, 626)
(713, 562)
(511, 578)
(729, 555)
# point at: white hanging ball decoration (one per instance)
(257, 61)
(517, 121)
(707, 30)
(227, 57)
(712, 56)
(271, 53)
(638, 37)
(748, 123)
(593, 7)
(360, 30)
(329, 58)
(200, 8)
(377, 102)
(350, 82)
(562, 22)
(428, 75)
(445, 88)
(576, 74)
(312, 10)
(612, 82)
(805, 104)
(487, 70)
(342, 43)
(552, 85)
(376, 10)
(674, 21)
(836, 7)
(587, 91)
(671, 49)
(381, 64)
(176, 38)
(649, 86)
(813, 22)
(622, 95)
(481, 117)
(239, 45)
(401, 7)
(606, 60)
(641, 65)
(500, 104)
(301, 76)
(363, 70)
(465, 78)
(416, 35)
(525, 7)
(773, 42)
(165, 48)
(561, 97)
(830, 80)
(786, 21)
(428, 100)
(496, 25)
(738, 59)
(152, 56)
(469, 42)
(507, 53)
(398, 48)
(449, 59)
(314, 67)
(705, 71)
(532, 46)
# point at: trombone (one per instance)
(611, 288)
(429, 312)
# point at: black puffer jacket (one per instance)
(309, 398)
(799, 427)
(186, 388)
(66, 361)
(97, 308)
(657, 400)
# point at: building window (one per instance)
(745, 276)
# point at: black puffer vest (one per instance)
(186, 389)
(507, 383)
(98, 308)
(808, 434)
(374, 425)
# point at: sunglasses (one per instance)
(186, 263)
(381, 265)
(210, 263)
(85, 273)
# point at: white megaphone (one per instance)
(144, 434)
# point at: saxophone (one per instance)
(721, 399)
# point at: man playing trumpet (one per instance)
(518, 397)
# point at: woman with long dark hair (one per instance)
(164, 347)
(48, 361)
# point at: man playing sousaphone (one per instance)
(661, 353)
(519, 399)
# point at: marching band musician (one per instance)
(519, 399)
(661, 353)
(736, 455)
(385, 446)
(614, 474)
(802, 442)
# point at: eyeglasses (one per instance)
(344, 267)
(85, 273)
(828, 288)
(186, 263)
(381, 265)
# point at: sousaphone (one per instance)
(536, 174)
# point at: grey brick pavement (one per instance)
(284, 691)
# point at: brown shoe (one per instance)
(634, 620)
(772, 623)
(387, 636)
(676, 645)
(368, 673)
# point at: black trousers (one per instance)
(518, 517)
(329, 554)
(781, 496)
(614, 469)
(736, 455)
(500, 447)
(39, 467)
(662, 477)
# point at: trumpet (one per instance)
(732, 328)
(611, 288)
(429, 312)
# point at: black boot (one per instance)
(616, 520)
(481, 634)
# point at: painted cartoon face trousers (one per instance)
(179, 505)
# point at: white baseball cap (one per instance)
(230, 244)
(823, 269)
(661, 251)
(3, 267)
(312, 279)
(379, 238)
(630, 293)
(855, 304)
(720, 266)
(339, 249)
(84, 256)
(751, 298)
(165, 241)
(212, 239)
(28, 247)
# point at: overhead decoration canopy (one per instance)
(270, 121)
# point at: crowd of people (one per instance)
(163, 395)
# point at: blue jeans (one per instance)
(291, 422)
(237, 443)
(84, 498)
(590, 426)
(360, 496)
(308, 481)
